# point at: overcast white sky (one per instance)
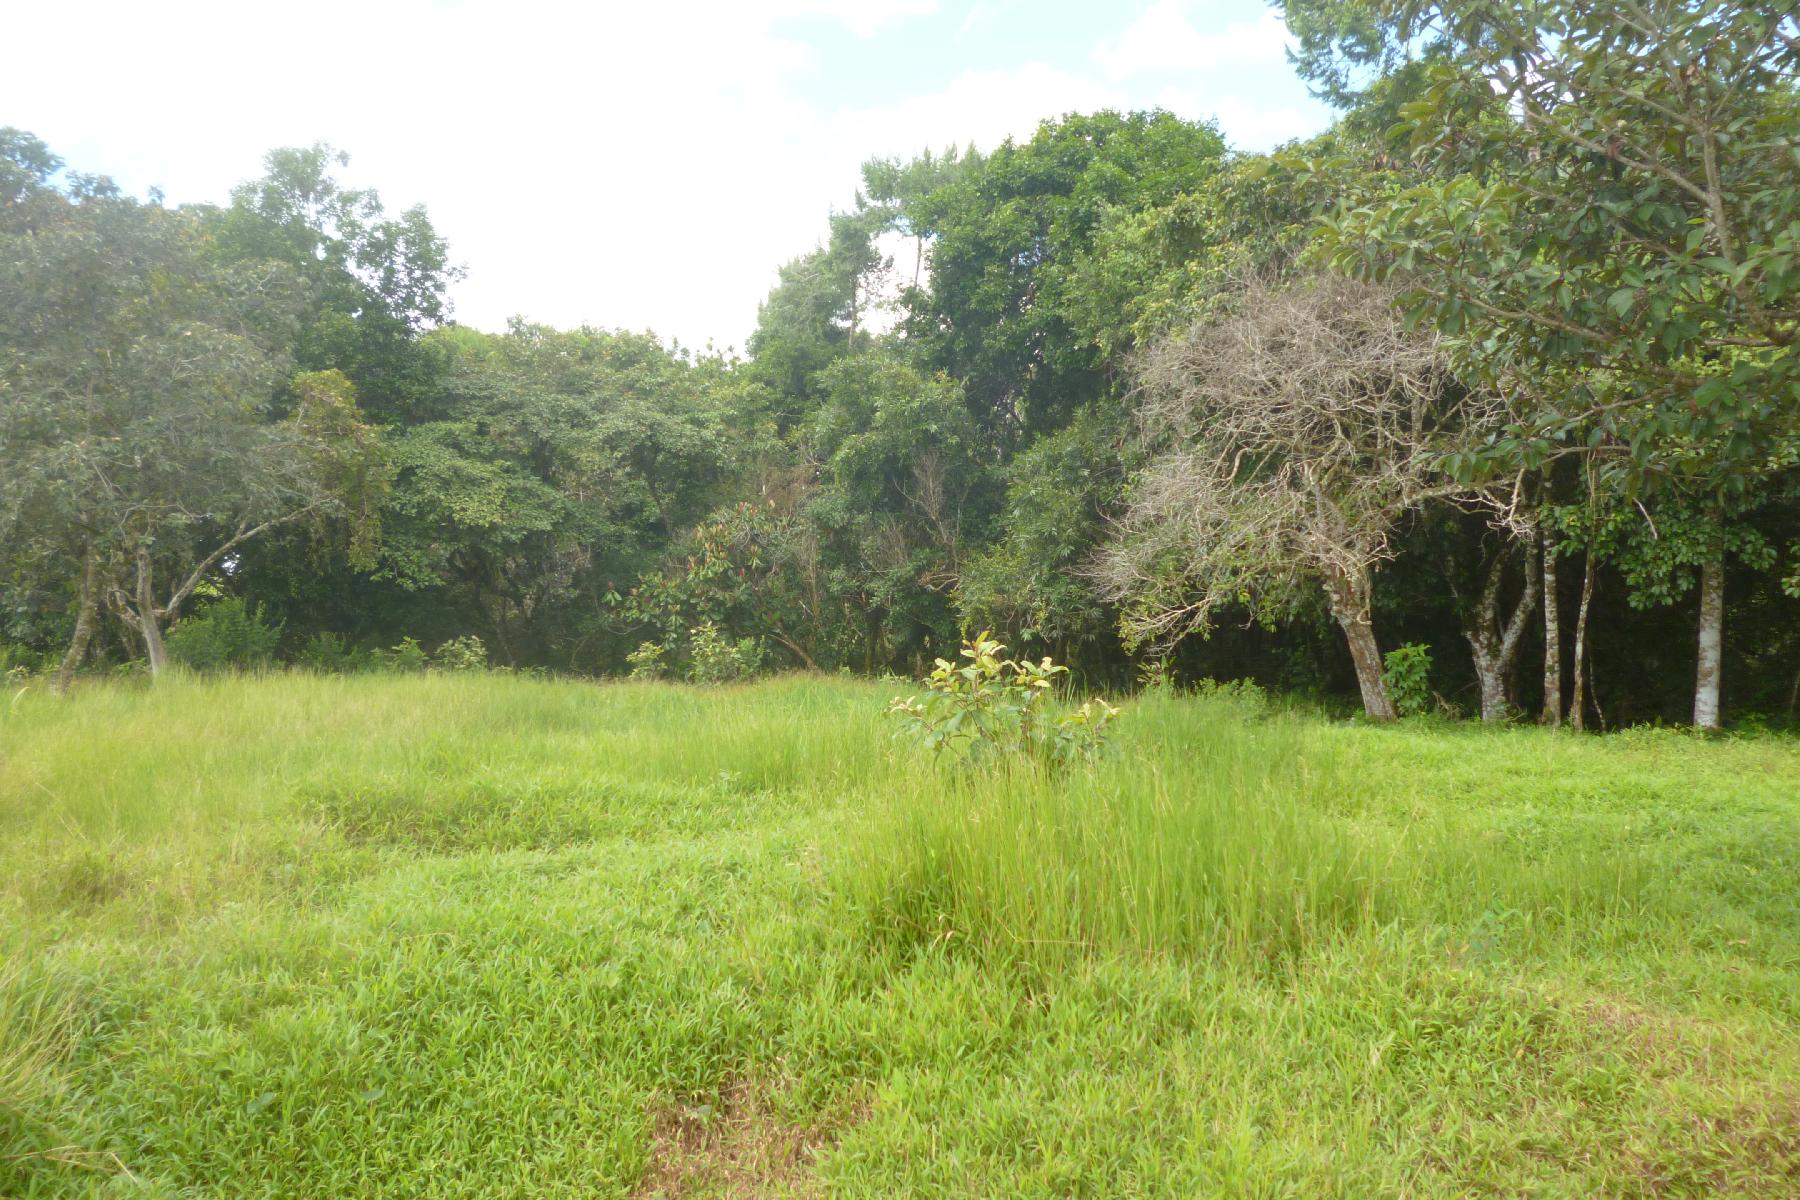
(645, 165)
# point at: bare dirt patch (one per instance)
(736, 1147)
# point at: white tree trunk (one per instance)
(1712, 641)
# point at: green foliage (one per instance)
(1153, 270)
(713, 658)
(348, 458)
(648, 661)
(465, 653)
(1007, 235)
(1245, 695)
(1031, 579)
(1610, 234)
(861, 491)
(992, 709)
(1351, 52)
(1407, 670)
(226, 634)
(405, 657)
(328, 653)
(1156, 675)
(558, 464)
(149, 425)
(18, 663)
(1660, 544)
(375, 280)
(750, 565)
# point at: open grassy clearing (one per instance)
(487, 936)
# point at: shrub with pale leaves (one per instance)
(990, 708)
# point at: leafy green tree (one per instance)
(1151, 271)
(375, 281)
(749, 566)
(1609, 221)
(902, 495)
(142, 443)
(562, 462)
(225, 634)
(819, 310)
(1004, 237)
(375, 285)
(1032, 578)
(1145, 273)
(1363, 55)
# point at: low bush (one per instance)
(1408, 673)
(649, 661)
(19, 663)
(225, 635)
(328, 654)
(461, 654)
(714, 658)
(992, 708)
(404, 658)
(1246, 695)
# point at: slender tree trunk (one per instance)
(87, 617)
(149, 623)
(1578, 700)
(791, 644)
(1712, 640)
(1495, 649)
(1350, 604)
(1553, 710)
(1481, 630)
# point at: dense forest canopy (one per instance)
(1503, 365)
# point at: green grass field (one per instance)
(451, 936)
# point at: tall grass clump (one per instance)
(1219, 832)
(1197, 838)
(36, 1029)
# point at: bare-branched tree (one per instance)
(1288, 440)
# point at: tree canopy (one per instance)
(1503, 364)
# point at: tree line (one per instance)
(1502, 366)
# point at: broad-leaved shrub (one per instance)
(990, 708)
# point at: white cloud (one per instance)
(985, 107)
(865, 18)
(1165, 38)
(620, 165)
(1246, 123)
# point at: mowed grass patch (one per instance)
(490, 936)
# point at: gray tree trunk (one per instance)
(1712, 640)
(1350, 604)
(86, 621)
(1553, 709)
(1578, 701)
(149, 621)
(1493, 648)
